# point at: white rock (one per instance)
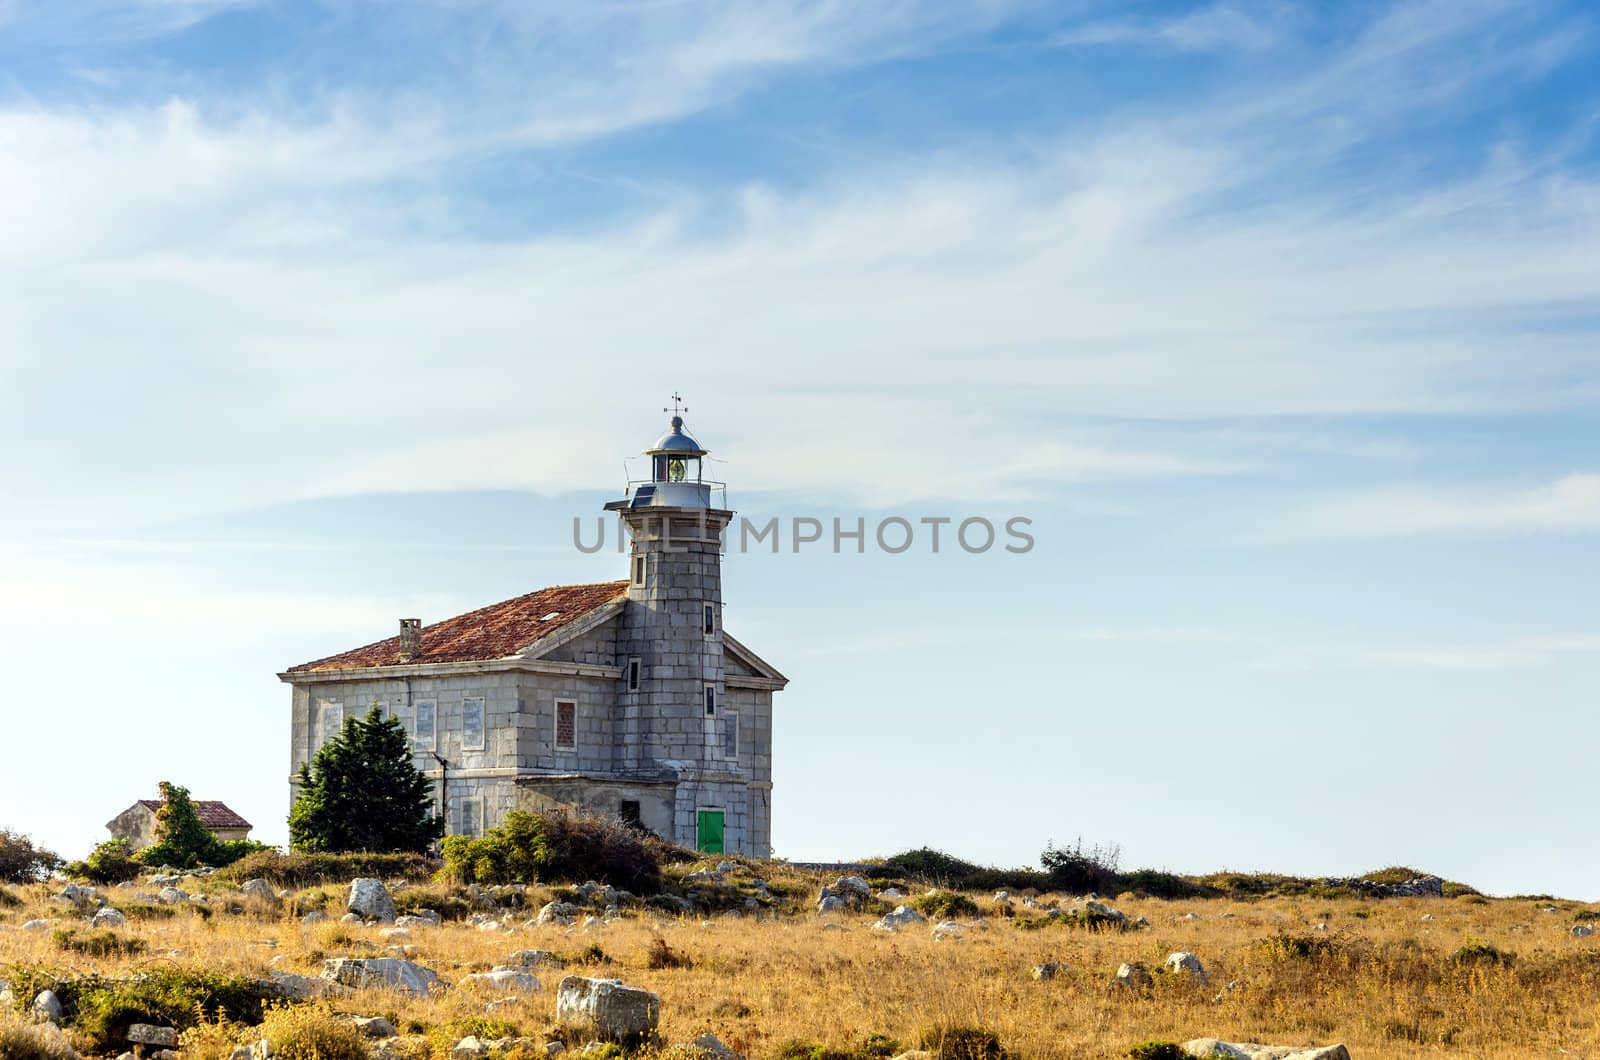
(853, 885)
(891, 892)
(558, 913)
(108, 917)
(947, 929)
(395, 934)
(613, 1009)
(172, 896)
(1048, 970)
(503, 979)
(259, 889)
(1185, 964)
(36, 925)
(47, 1006)
(389, 972)
(417, 920)
(314, 917)
(709, 1044)
(149, 1034)
(469, 1048)
(1211, 1047)
(830, 905)
(369, 898)
(1582, 931)
(902, 916)
(1132, 975)
(299, 987)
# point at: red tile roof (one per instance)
(212, 814)
(492, 632)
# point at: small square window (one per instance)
(633, 675)
(422, 728)
(709, 620)
(711, 701)
(472, 724)
(566, 725)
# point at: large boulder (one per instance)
(46, 1006)
(830, 905)
(853, 887)
(613, 1010)
(369, 898)
(390, 972)
(150, 1034)
(1211, 1047)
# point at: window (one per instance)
(331, 715)
(711, 701)
(709, 621)
(633, 675)
(730, 736)
(470, 816)
(638, 570)
(566, 725)
(630, 813)
(472, 724)
(422, 730)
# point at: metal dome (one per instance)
(676, 441)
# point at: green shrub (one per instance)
(962, 1043)
(21, 861)
(98, 943)
(311, 869)
(929, 866)
(8, 900)
(1157, 1050)
(942, 905)
(1477, 951)
(176, 997)
(1582, 914)
(110, 862)
(801, 1049)
(1156, 884)
(876, 1044)
(554, 845)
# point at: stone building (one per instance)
(136, 825)
(625, 698)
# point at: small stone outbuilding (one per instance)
(136, 825)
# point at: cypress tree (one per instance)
(362, 793)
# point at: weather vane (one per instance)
(676, 401)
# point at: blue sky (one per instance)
(1279, 321)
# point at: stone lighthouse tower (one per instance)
(674, 710)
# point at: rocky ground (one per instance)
(758, 961)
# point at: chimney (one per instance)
(410, 638)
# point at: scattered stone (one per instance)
(297, 987)
(108, 917)
(506, 979)
(259, 888)
(1321, 927)
(389, 972)
(834, 927)
(418, 920)
(314, 917)
(1234, 986)
(395, 934)
(1582, 931)
(47, 1006)
(1427, 918)
(535, 959)
(1211, 1047)
(375, 1027)
(1101, 909)
(1188, 916)
(172, 896)
(710, 1045)
(1048, 970)
(830, 905)
(902, 915)
(947, 929)
(369, 898)
(554, 1048)
(495, 925)
(853, 885)
(469, 1048)
(1185, 964)
(892, 892)
(558, 913)
(36, 925)
(1132, 975)
(149, 1034)
(351, 918)
(615, 1010)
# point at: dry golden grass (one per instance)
(1380, 979)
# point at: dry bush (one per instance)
(311, 1032)
(23, 1041)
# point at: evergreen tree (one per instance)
(361, 793)
(181, 840)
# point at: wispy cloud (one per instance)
(1220, 26)
(1570, 503)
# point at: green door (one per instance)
(710, 832)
